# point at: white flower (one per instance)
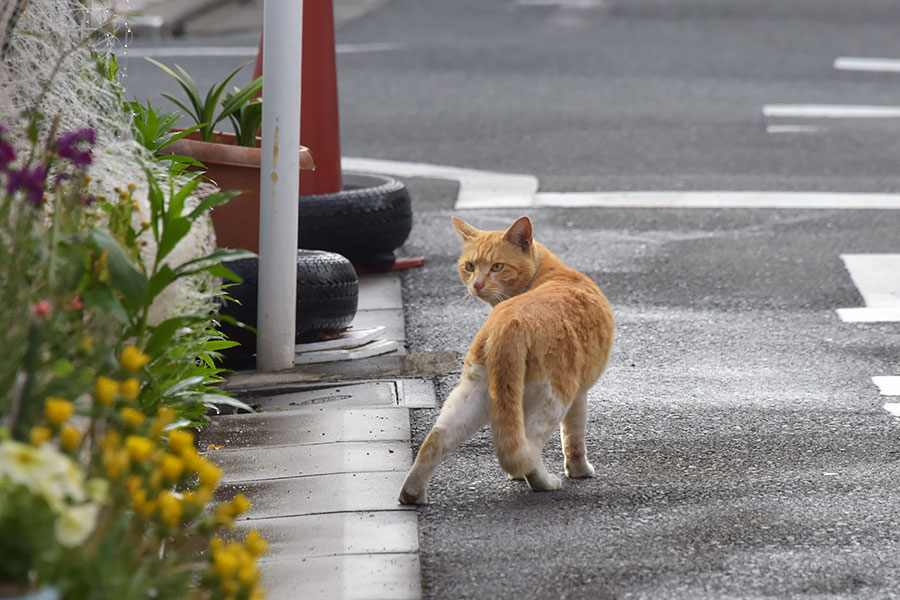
(97, 490)
(75, 524)
(44, 471)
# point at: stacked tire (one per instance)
(365, 222)
(327, 298)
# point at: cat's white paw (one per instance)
(543, 482)
(581, 469)
(409, 497)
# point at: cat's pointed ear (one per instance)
(463, 229)
(520, 233)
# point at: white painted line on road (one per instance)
(488, 189)
(877, 277)
(213, 51)
(830, 111)
(870, 314)
(794, 129)
(722, 199)
(857, 63)
(477, 189)
(888, 385)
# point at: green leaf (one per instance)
(176, 202)
(160, 281)
(216, 345)
(162, 334)
(218, 256)
(124, 275)
(100, 299)
(184, 386)
(216, 400)
(174, 231)
(211, 201)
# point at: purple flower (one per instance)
(30, 181)
(7, 152)
(71, 145)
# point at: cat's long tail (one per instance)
(505, 362)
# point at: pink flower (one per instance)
(42, 309)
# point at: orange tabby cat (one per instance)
(544, 344)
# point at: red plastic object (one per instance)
(319, 126)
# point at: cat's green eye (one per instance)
(470, 267)
(497, 267)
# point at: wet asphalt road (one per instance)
(741, 448)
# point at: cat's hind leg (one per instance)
(572, 430)
(543, 412)
(465, 411)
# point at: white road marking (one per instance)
(830, 111)
(856, 63)
(877, 277)
(794, 129)
(720, 199)
(888, 385)
(213, 51)
(489, 189)
(477, 189)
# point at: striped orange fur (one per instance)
(528, 370)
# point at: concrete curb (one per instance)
(322, 465)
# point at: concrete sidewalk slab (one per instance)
(341, 492)
(293, 428)
(379, 292)
(307, 536)
(257, 464)
(348, 576)
(367, 394)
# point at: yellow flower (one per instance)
(139, 448)
(225, 564)
(105, 390)
(216, 544)
(172, 467)
(170, 508)
(58, 410)
(69, 437)
(87, 343)
(248, 575)
(115, 462)
(180, 440)
(39, 435)
(133, 359)
(164, 416)
(240, 504)
(130, 389)
(132, 417)
(224, 516)
(209, 473)
(255, 544)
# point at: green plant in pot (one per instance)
(231, 160)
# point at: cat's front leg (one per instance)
(464, 413)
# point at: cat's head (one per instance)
(496, 265)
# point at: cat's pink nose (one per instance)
(478, 284)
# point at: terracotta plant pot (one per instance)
(233, 167)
